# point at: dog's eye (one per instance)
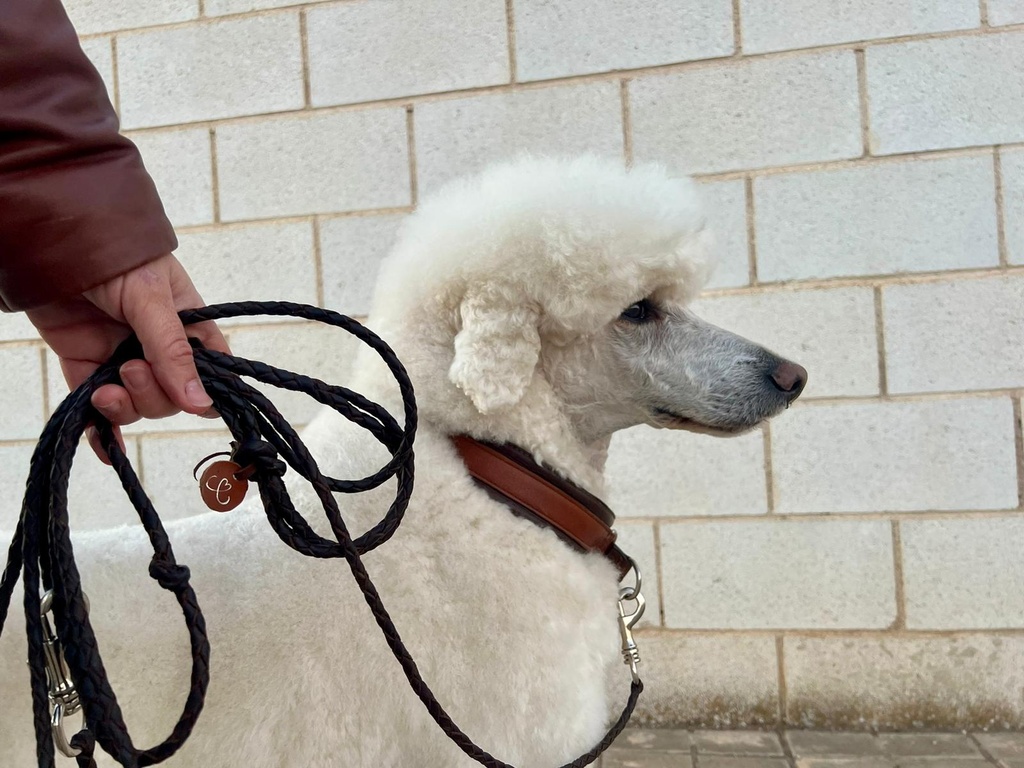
(641, 312)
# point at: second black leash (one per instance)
(41, 550)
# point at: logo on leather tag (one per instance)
(220, 487)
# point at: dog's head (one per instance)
(556, 291)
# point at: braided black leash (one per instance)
(41, 549)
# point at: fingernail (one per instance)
(196, 395)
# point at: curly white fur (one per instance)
(495, 283)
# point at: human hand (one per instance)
(85, 330)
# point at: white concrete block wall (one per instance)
(854, 563)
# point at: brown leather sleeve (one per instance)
(77, 207)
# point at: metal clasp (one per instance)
(630, 652)
(61, 689)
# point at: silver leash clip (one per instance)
(60, 687)
(630, 652)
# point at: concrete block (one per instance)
(351, 250)
(323, 163)
(15, 326)
(224, 7)
(91, 16)
(726, 206)
(278, 259)
(713, 680)
(636, 539)
(921, 215)
(896, 456)
(312, 349)
(23, 387)
(1013, 203)
(747, 114)
(664, 473)
(95, 498)
(1005, 12)
(179, 162)
(208, 71)
(101, 54)
(941, 683)
(771, 574)
(963, 574)
(957, 335)
(14, 462)
(957, 92)
(739, 743)
(830, 332)
(768, 26)
(459, 137)
(572, 37)
(384, 49)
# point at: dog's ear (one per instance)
(496, 351)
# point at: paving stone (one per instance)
(927, 745)
(737, 743)
(654, 739)
(1003, 746)
(843, 762)
(821, 743)
(629, 758)
(742, 762)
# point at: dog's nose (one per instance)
(789, 378)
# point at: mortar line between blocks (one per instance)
(787, 750)
(627, 123)
(410, 137)
(983, 13)
(748, 193)
(737, 29)
(214, 176)
(780, 661)
(318, 262)
(116, 95)
(1018, 439)
(660, 580)
(307, 98)
(202, 9)
(984, 752)
(833, 517)
(769, 475)
(862, 93)
(510, 26)
(44, 369)
(997, 169)
(900, 622)
(883, 377)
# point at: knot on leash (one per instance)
(170, 576)
(258, 457)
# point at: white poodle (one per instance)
(541, 304)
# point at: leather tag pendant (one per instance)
(221, 490)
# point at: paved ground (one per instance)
(813, 749)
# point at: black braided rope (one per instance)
(42, 553)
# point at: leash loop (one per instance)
(65, 665)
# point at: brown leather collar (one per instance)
(510, 475)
